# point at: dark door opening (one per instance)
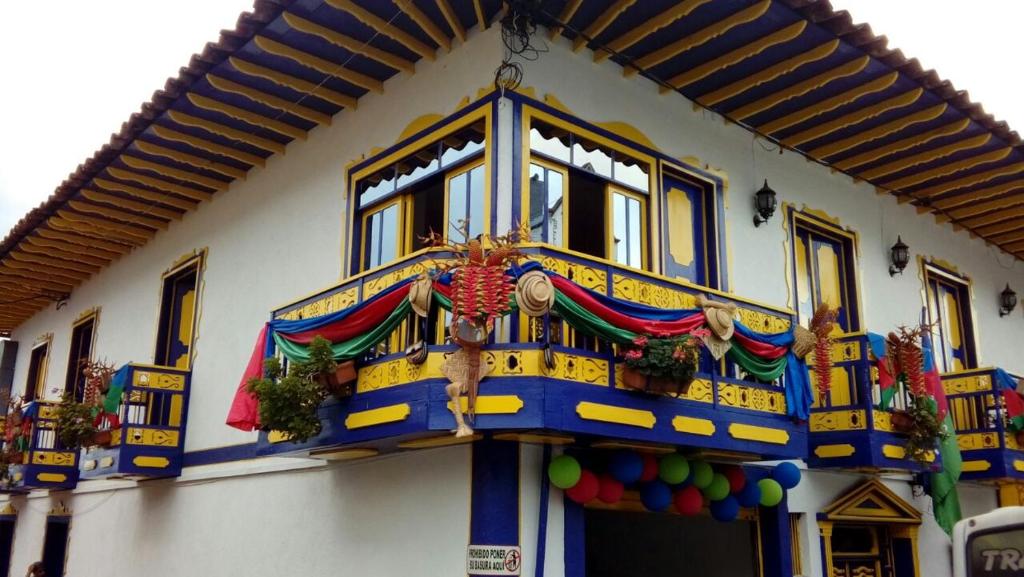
(641, 544)
(55, 545)
(81, 353)
(6, 542)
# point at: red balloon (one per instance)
(585, 489)
(737, 478)
(688, 500)
(610, 489)
(650, 467)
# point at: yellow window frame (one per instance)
(610, 191)
(827, 226)
(948, 273)
(448, 177)
(196, 258)
(401, 246)
(564, 171)
(39, 387)
(483, 112)
(93, 315)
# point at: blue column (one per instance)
(494, 512)
(776, 540)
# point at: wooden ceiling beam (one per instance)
(568, 11)
(225, 131)
(86, 243)
(52, 272)
(452, 18)
(925, 157)
(149, 195)
(380, 25)
(108, 228)
(176, 173)
(964, 182)
(425, 23)
(53, 262)
(481, 19)
(768, 74)
(127, 203)
(260, 97)
(854, 118)
(186, 158)
(609, 16)
(977, 195)
(128, 217)
(247, 116)
(297, 84)
(207, 145)
(946, 169)
(97, 233)
(977, 222)
(1004, 227)
(883, 130)
(736, 56)
(822, 106)
(319, 64)
(163, 185)
(73, 255)
(684, 44)
(32, 279)
(349, 43)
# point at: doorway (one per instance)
(861, 551)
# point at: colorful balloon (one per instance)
(737, 478)
(656, 496)
(673, 469)
(610, 489)
(586, 489)
(718, 489)
(771, 492)
(701, 474)
(626, 467)
(564, 471)
(688, 500)
(650, 469)
(725, 510)
(750, 496)
(787, 474)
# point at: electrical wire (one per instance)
(518, 28)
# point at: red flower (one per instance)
(640, 341)
(634, 354)
(700, 333)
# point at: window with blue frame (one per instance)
(825, 269)
(179, 299)
(82, 334)
(441, 188)
(950, 318)
(690, 228)
(55, 544)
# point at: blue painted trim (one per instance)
(542, 514)
(776, 540)
(494, 166)
(494, 508)
(219, 455)
(517, 160)
(575, 539)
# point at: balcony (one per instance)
(847, 429)
(989, 450)
(580, 396)
(149, 439)
(46, 463)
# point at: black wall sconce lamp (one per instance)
(900, 256)
(765, 202)
(1007, 301)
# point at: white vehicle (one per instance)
(990, 545)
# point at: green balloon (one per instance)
(718, 489)
(564, 471)
(702, 474)
(771, 492)
(673, 469)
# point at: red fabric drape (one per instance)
(763, 350)
(373, 314)
(245, 408)
(622, 321)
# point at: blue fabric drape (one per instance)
(285, 326)
(798, 388)
(775, 339)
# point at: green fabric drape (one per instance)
(765, 370)
(588, 323)
(350, 349)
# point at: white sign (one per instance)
(493, 560)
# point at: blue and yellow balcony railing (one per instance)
(847, 429)
(580, 396)
(990, 451)
(150, 440)
(46, 463)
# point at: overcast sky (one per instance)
(74, 70)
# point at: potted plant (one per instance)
(662, 365)
(289, 402)
(925, 432)
(75, 426)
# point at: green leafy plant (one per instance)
(75, 422)
(289, 402)
(926, 431)
(673, 358)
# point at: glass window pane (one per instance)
(476, 202)
(373, 240)
(588, 156)
(619, 228)
(635, 232)
(538, 193)
(631, 173)
(377, 186)
(463, 144)
(457, 213)
(389, 234)
(554, 208)
(549, 145)
(415, 168)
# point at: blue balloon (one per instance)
(656, 496)
(786, 474)
(726, 509)
(750, 495)
(626, 467)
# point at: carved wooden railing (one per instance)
(990, 450)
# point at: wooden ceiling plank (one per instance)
(50, 272)
(110, 227)
(129, 217)
(1004, 227)
(31, 279)
(327, 67)
(425, 23)
(822, 106)
(143, 164)
(207, 145)
(855, 117)
(600, 23)
(886, 129)
(53, 262)
(969, 180)
(161, 197)
(768, 74)
(688, 42)
(297, 84)
(225, 131)
(736, 56)
(652, 25)
(925, 157)
(125, 203)
(74, 256)
(247, 116)
(85, 243)
(800, 88)
(452, 18)
(946, 169)
(976, 222)
(93, 232)
(349, 43)
(161, 184)
(568, 11)
(481, 19)
(225, 85)
(385, 28)
(183, 157)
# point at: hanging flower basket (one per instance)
(662, 366)
(902, 422)
(102, 438)
(341, 382)
(638, 381)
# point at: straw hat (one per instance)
(803, 341)
(535, 294)
(420, 293)
(720, 322)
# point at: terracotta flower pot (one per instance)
(102, 438)
(341, 383)
(902, 422)
(1020, 438)
(654, 385)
